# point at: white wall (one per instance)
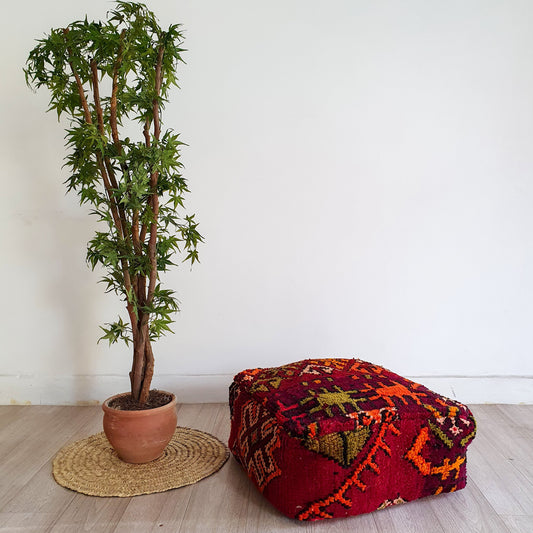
(362, 172)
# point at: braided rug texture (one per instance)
(91, 466)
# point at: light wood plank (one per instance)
(519, 524)
(41, 495)
(506, 487)
(36, 438)
(217, 493)
(466, 510)
(41, 500)
(522, 415)
(412, 517)
(364, 523)
(22, 424)
(26, 522)
(9, 413)
(85, 513)
(521, 435)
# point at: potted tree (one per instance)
(133, 186)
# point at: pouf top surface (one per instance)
(317, 397)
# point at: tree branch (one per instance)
(146, 133)
(153, 180)
(81, 91)
(101, 128)
(113, 104)
(123, 229)
(105, 178)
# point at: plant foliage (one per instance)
(135, 187)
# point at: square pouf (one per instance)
(325, 438)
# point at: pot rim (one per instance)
(138, 412)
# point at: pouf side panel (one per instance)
(296, 475)
(320, 487)
(392, 479)
(254, 438)
(380, 476)
(312, 487)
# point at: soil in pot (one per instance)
(156, 399)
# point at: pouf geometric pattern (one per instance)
(325, 438)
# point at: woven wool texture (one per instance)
(325, 438)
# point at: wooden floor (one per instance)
(498, 497)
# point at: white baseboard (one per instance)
(92, 390)
(488, 389)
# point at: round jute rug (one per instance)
(92, 467)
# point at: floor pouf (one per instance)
(325, 438)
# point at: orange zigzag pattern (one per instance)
(426, 468)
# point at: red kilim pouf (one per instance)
(325, 438)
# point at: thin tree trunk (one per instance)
(145, 368)
(148, 371)
(137, 374)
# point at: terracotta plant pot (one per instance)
(140, 436)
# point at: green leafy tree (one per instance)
(134, 187)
